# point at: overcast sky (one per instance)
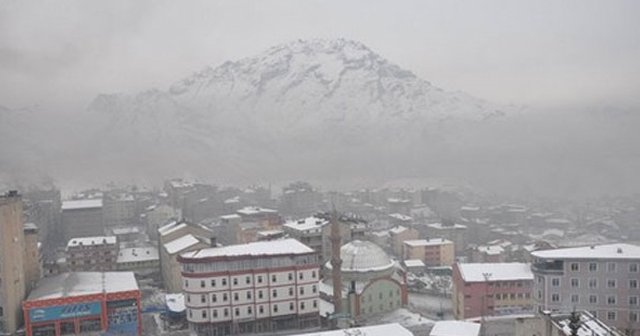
(62, 53)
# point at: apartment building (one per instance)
(432, 252)
(258, 287)
(87, 254)
(602, 279)
(82, 218)
(491, 289)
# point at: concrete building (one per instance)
(141, 260)
(390, 329)
(602, 279)
(84, 303)
(491, 289)
(432, 252)
(372, 283)
(258, 287)
(398, 235)
(299, 200)
(175, 238)
(156, 216)
(82, 218)
(88, 254)
(32, 256)
(451, 231)
(120, 209)
(13, 283)
(310, 231)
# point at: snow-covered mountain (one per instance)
(300, 90)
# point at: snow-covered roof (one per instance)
(171, 227)
(439, 226)
(589, 326)
(83, 283)
(363, 256)
(175, 302)
(401, 217)
(609, 251)
(125, 230)
(491, 249)
(394, 329)
(455, 328)
(398, 229)
(470, 208)
(180, 244)
(92, 241)
(306, 224)
(427, 242)
(414, 263)
(247, 211)
(138, 254)
(82, 204)
(255, 249)
(495, 272)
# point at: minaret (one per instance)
(336, 263)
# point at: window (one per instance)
(226, 312)
(259, 278)
(593, 267)
(260, 294)
(213, 282)
(611, 299)
(261, 309)
(273, 278)
(633, 300)
(215, 313)
(204, 314)
(224, 281)
(225, 297)
(214, 298)
(633, 316)
(575, 267)
(236, 297)
(593, 299)
(202, 284)
(575, 283)
(186, 283)
(190, 313)
(593, 283)
(275, 308)
(203, 298)
(290, 291)
(248, 295)
(188, 298)
(575, 298)
(315, 304)
(237, 311)
(611, 316)
(611, 283)
(247, 280)
(633, 283)
(235, 281)
(249, 310)
(539, 295)
(291, 306)
(274, 293)
(290, 276)
(301, 275)
(555, 282)
(301, 290)
(301, 305)
(555, 297)
(314, 289)
(313, 273)
(633, 268)
(611, 267)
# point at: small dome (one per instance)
(363, 256)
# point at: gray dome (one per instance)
(363, 256)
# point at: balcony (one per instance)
(555, 267)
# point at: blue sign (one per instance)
(65, 312)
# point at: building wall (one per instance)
(32, 259)
(82, 223)
(87, 258)
(397, 239)
(381, 295)
(431, 255)
(12, 277)
(171, 270)
(576, 288)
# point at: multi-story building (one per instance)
(491, 289)
(398, 235)
(432, 252)
(309, 231)
(32, 258)
(258, 287)
(12, 262)
(120, 209)
(602, 279)
(82, 218)
(451, 231)
(141, 260)
(92, 254)
(84, 303)
(300, 199)
(156, 216)
(175, 238)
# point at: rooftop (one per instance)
(427, 242)
(495, 272)
(394, 329)
(401, 217)
(171, 227)
(180, 244)
(440, 226)
(608, 251)
(414, 263)
(83, 283)
(248, 211)
(455, 328)
(92, 241)
(82, 204)
(138, 254)
(256, 249)
(363, 256)
(309, 223)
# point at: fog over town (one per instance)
(319, 167)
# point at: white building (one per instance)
(258, 287)
(601, 279)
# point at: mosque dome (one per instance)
(363, 256)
